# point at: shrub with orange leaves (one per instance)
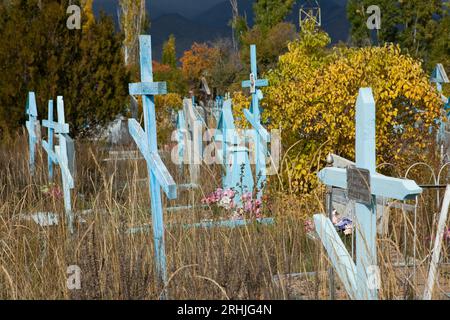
(198, 61)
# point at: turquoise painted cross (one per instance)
(217, 107)
(146, 141)
(31, 125)
(358, 278)
(261, 136)
(59, 155)
(235, 159)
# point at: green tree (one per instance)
(390, 19)
(415, 25)
(40, 54)
(169, 55)
(269, 13)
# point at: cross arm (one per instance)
(258, 83)
(153, 160)
(258, 127)
(394, 188)
(162, 175)
(339, 256)
(58, 127)
(64, 168)
(56, 158)
(50, 152)
(148, 88)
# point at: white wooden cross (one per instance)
(261, 136)
(361, 279)
(440, 77)
(31, 125)
(194, 143)
(146, 141)
(59, 155)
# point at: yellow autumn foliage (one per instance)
(312, 96)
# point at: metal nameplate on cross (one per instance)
(59, 154)
(360, 279)
(146, 140)
(358, 185)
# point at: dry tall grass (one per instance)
(242, 263)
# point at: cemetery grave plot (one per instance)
(142, 225)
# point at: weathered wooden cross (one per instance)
(194, 143)
(235, 159)
(181, 138)
(363, 183)
(147, 143)
(61, 154)
(440, 77)
(261, 136)
(31, 125)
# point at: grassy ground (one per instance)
(242, 263)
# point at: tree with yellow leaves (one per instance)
(312, 97)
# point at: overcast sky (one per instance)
(185, 7)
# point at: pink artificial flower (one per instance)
(229, 193)
(247, 196)
(447, 235)
(309, 226)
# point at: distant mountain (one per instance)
(157, 8)
(334, 16)
(188, 25)
(185, 31)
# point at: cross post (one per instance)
(50, 140)
(234, 158)
(59, 154)
(146, 141)
(194, 130)
(261, 136)
(31, 111)
(181, 138)
(358, 279)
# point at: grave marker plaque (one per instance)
(358, 185)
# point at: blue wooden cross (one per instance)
(31, 125)
(217, 107)
(59, 155)
(146, 141)
(235, 159)
(357, 277)
(261, 136)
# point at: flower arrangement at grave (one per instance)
(52, 190)
(250, 209)
(343, 225)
